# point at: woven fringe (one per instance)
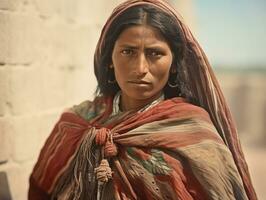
(78, 181)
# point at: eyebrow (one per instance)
(130, 46)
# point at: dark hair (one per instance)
(142, 15)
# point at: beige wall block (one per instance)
(10, 5)
(18, 37)
(62, 45)
(4, 141)
(83, 11)
(25, 93)
(35, 89)
(25, 136)
(49, 8)
(4, 86)
(18, 178)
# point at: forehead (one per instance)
(139, 33)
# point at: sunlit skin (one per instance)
(142, 60)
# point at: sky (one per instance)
(232, 32)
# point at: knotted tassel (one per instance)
(101, 136)
(103, 172)
(105, 139)
(110, 149)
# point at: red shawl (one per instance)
(171, 151)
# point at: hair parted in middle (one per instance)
(156, 18)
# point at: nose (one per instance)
(142, 65)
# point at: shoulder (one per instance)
(89, 109)
(181, 105)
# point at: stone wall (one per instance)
(46, 65)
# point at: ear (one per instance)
(111, 66)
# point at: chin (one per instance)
(144, 95)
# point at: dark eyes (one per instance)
(127, 51)
(149, 52)
(154, 53)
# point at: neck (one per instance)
(127, 103)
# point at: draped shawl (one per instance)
(171, 151)
(174, 150)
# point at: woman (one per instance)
(159, 127)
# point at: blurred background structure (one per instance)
(46, 65)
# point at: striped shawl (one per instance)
(171, 151)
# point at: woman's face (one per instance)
(141, 60)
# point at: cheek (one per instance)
(120, 72)
(121, 75)
(161, 72)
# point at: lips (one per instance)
(139, 82)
